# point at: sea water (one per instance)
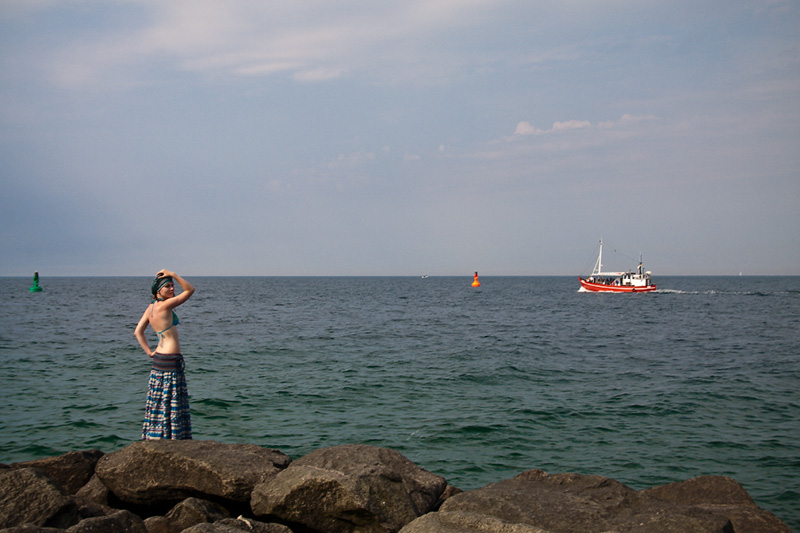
(475, 384)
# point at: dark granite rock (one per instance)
(28, 528)
(212, 528)
(153, 472)
(93, 492)
(71, 470)
(159, 524)
(349, 488)
(449, 491)
(237, 525)
(118, 522)
(193, 511)
(28, 496)
(535, 501)
(724, 495)
(466, 522)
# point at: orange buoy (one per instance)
(476, 283)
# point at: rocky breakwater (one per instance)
(205, 486)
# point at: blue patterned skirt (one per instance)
(166, 414)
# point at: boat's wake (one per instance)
(727, 293)
(676, 291)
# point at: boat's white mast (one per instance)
(600, 258)
(598, 267)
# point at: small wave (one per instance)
(478, 429)
(215, 402)
(777, 462)
(716, 444)
(100, 408)
(108, 439)
(35, 451)
(537, 415)
(84, 424)
(791, 496)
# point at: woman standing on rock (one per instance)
(166, 413)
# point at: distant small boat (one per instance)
(424, 276)
(600, 281)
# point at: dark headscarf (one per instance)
(159, 282)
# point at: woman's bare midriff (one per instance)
(169, 343)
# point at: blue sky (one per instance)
(397, 138)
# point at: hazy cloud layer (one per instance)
(252, 137)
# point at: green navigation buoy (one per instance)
(35, 287)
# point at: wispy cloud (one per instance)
(526, 128)
(352, 160)
(307, 41)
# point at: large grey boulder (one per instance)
(237, 525)
(93, 492)
(32, 529)
(159, 524)
(349, 488)
(154, 472)
(193, 511)
(72, 470)
(466, 522)
(118, 522)
(28, 496)
(535, 501)
(724, 495)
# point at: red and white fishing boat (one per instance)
(601, 281)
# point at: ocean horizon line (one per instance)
(392, 276)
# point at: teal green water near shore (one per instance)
(700, 377)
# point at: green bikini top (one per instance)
(175, 321)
